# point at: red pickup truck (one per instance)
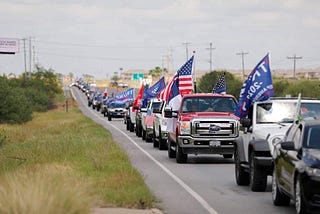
(204, 124)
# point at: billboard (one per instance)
(9, 46)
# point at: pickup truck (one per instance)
(116, 109)
(265, 126)
(204, 124)
(160, 133)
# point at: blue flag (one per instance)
(154, 90)
(220, 87)
(125, 96)
(257, 87)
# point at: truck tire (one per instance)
(139, 131)
(278, 198)
(171, 152)
(109, 117)
(180, 156)
(162, 142)
(131, 127)
(143, 134)
(258, 177)
(128, 125)
(299, 202)
(242, 177)
(154, 140)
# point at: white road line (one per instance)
(194, 194)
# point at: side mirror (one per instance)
(288, 145)
(168, 112)
(245, 122)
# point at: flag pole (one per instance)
(194, 74)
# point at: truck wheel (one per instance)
(242, 177)
(180, 156)
(128, 125)
(143, 134)
(131, 127)
(109, 117)
(154, 140)
(299, 201)
(258, 177)
(279, 198)
(139, 131)
(162, 142)
(227, 155)
(148, 139)
(171, 152)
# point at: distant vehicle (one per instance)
(123, 85)
(296, 173)
(116, 109)
(160, 133)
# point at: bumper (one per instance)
(117, 114)
(190, 145)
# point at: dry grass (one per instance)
(62, 162)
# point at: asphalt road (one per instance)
(206, 184)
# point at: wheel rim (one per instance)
(298, 197)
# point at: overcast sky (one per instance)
(98, 37)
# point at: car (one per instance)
(116, 109)
(267, 123)
(296, 173)
(160, 133)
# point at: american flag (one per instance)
(220, 87)
(185, 81)
(185, 77)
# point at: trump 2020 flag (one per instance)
(154, 90)
(220, 87)
(257, 87)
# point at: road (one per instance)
(206, 184)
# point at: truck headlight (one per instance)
(185, 127)
(313, 171)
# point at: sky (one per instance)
(100, 37)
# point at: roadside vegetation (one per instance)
(60, 161)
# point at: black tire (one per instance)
(258, 177)
(162, 142)
(242, 177)
(148, 139)
(299, 201)
(227, 155)
(128, 125)
(109, 117)
(131, 129)
(154, 140)
(143, 134)
(180, 156)
(278, 198)
(171, 152)
(140, 131)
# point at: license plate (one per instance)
(215, 143)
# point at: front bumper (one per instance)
(206, 145)
(117, 114)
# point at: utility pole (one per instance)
(242, 55)
(24, 55)
(186, 44)
(210, 49)
(30, 56)
(294, 57)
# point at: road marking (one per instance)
(194, 194)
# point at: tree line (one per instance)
(31, 92)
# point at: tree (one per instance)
(208, 81)
(157, 72)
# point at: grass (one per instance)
(67, 162)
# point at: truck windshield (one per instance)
(285, 112)
(156, 105)
(117, 105)
(208, 104)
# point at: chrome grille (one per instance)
(215, 127)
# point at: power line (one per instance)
(242, 56)
(295, 58)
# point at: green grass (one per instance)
(72, 153)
